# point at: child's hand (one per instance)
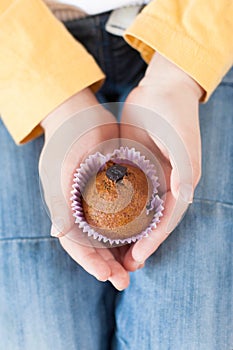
(174, 97)
(63, 151)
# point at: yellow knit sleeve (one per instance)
(41, 66)
(196, 35)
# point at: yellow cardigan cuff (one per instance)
(165, 31)
(41, 66)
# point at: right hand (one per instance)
(162, 114)
(60, 125)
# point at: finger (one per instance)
(119, 252)
(142, 249)
(129, 263)
(88, 258)
(54, 232)
(182, 186)
(119, 276)
(175, 143)
(177, 214)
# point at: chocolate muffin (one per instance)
(115, 200)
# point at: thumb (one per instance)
(182, 190)
(181, 187)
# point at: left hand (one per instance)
(71, 131)
(174, 96)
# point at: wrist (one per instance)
(170, 77)
(80, 101)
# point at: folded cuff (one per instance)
(202, 65)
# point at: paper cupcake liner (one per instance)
(91, 166)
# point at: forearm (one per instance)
(41, 66)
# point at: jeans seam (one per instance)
(43, 238)
(196, 199)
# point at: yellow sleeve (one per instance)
(196, 35)
(41, 66)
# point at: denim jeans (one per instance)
(181, 300)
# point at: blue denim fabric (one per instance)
(181, 300)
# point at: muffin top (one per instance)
(114, 200)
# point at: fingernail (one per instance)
(54, 232)
(120, 289)
(141, 266)
(139, 259)
(136, 265)
(186, 193)
(101, 280)
(59, 223)
(117, 287)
